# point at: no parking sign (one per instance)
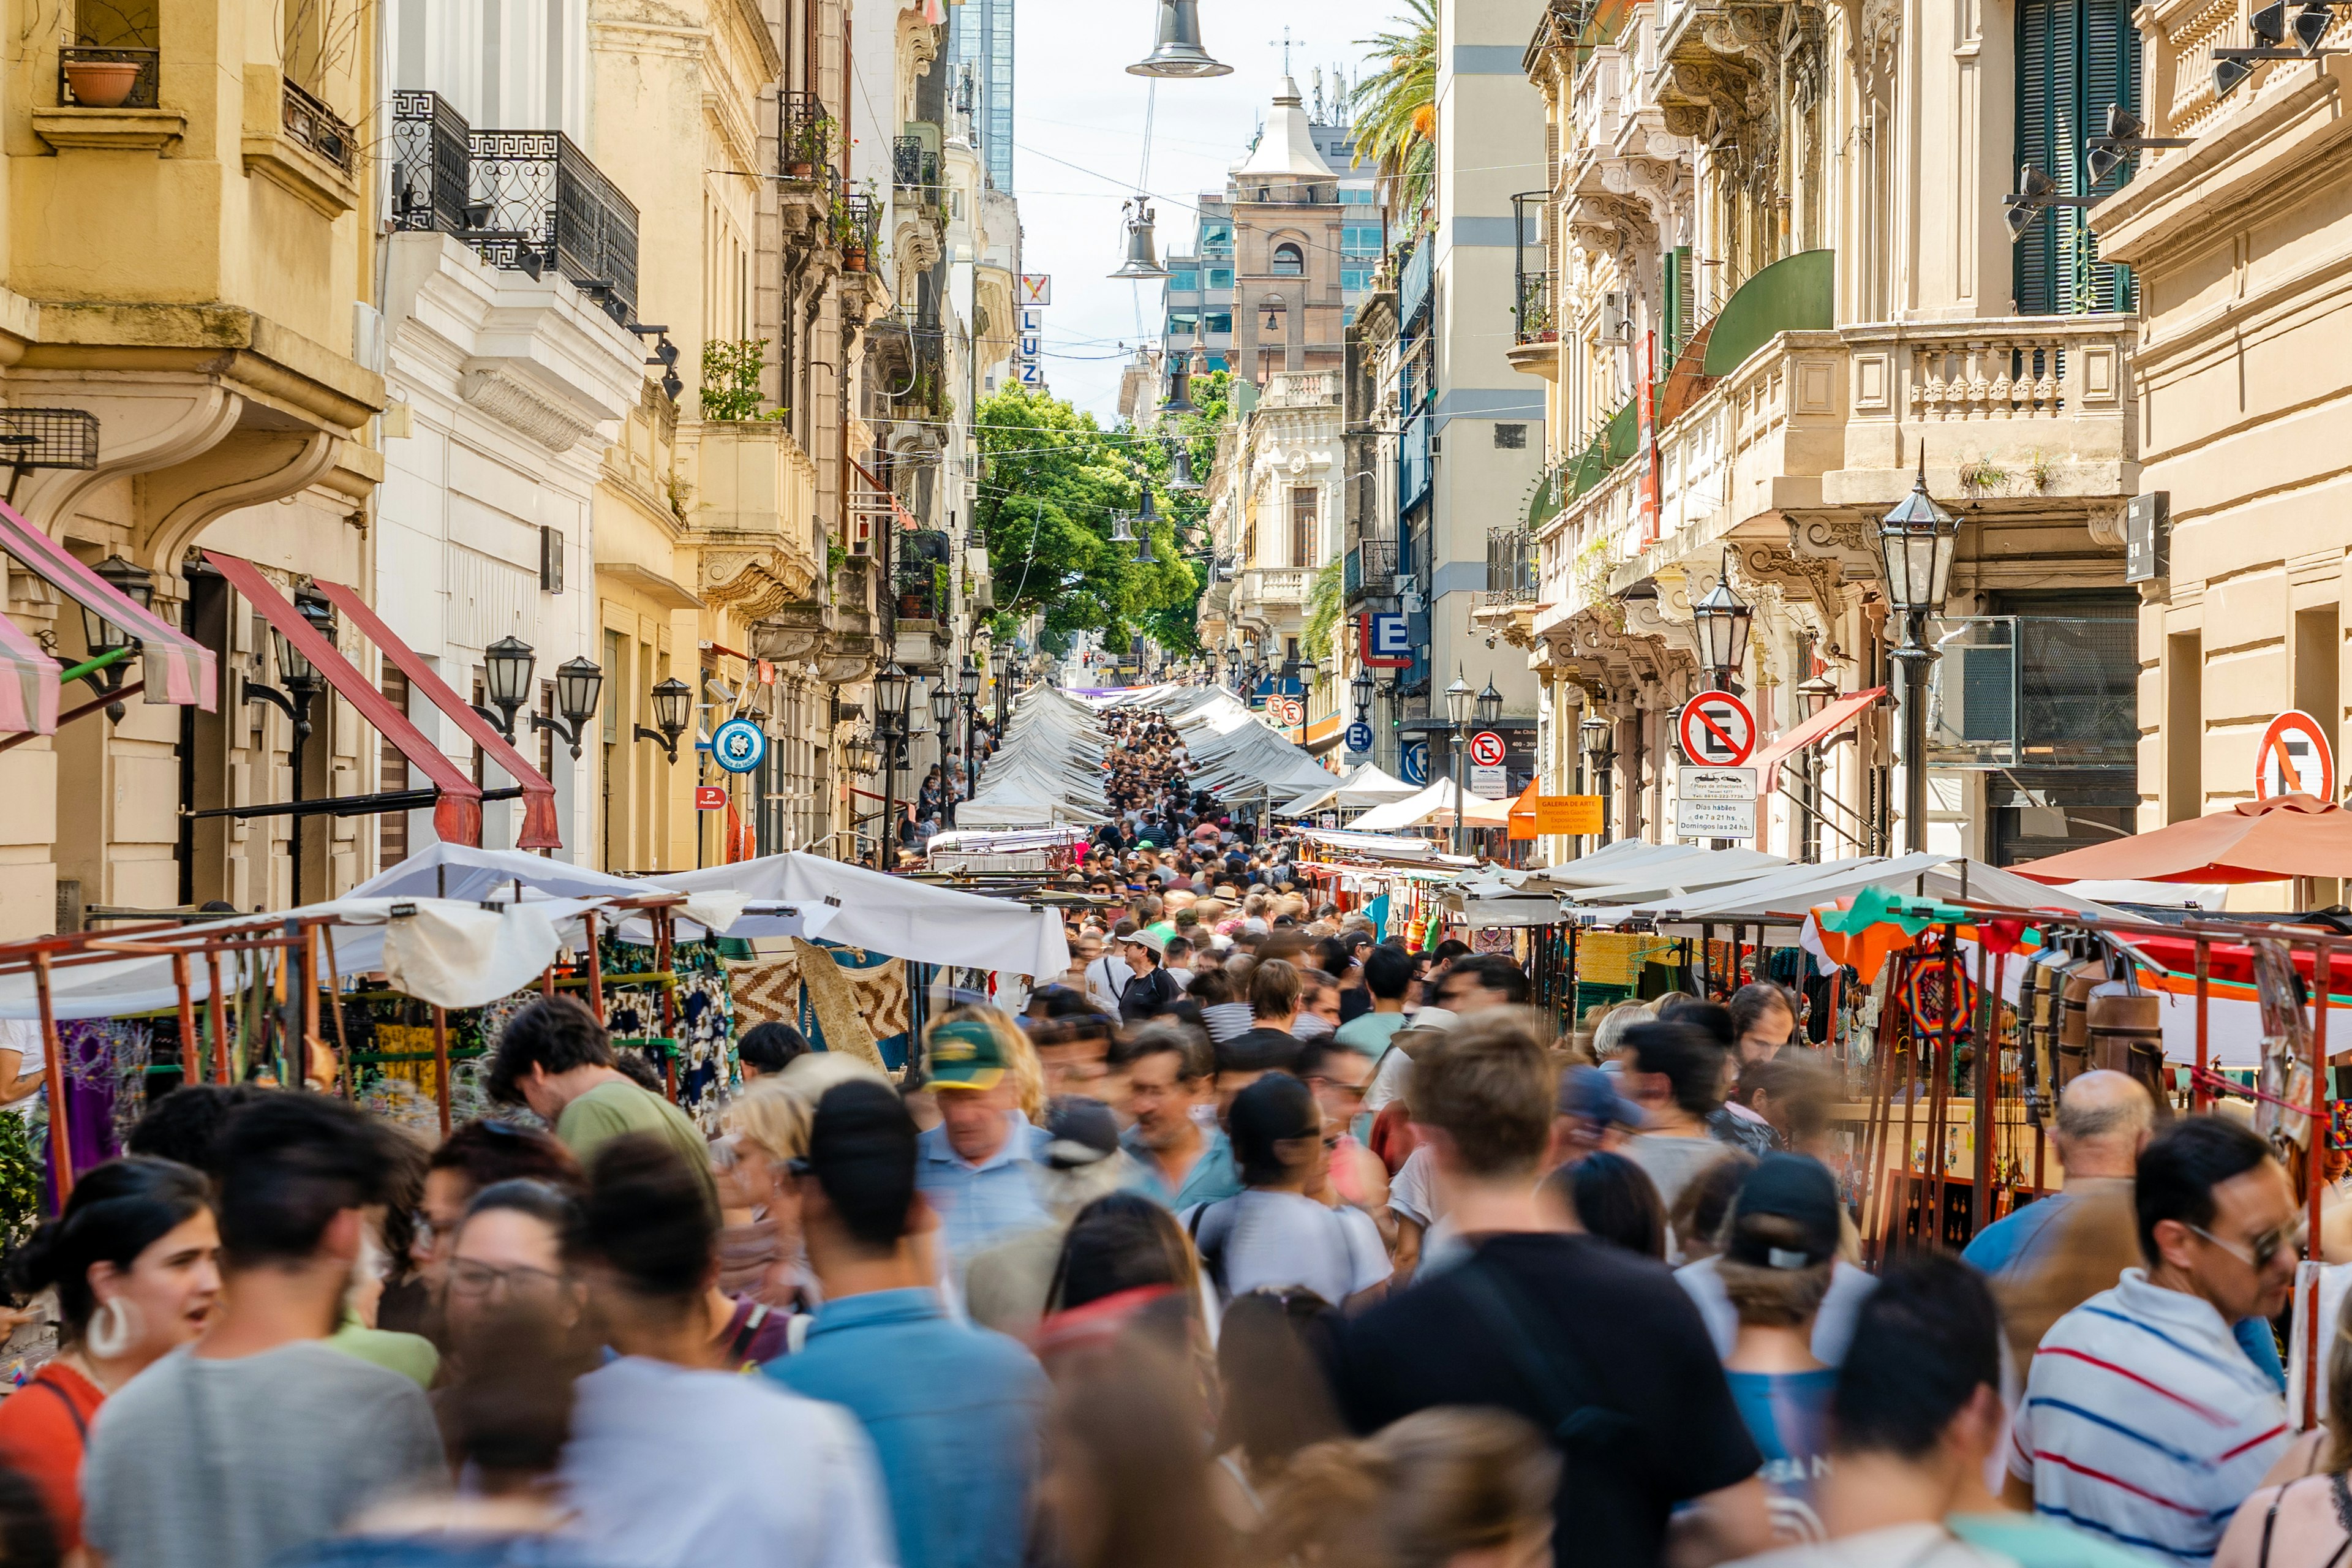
(1717, 729)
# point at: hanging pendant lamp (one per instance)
(1180, 464)
(1119, 531)
(1142, 252)
(1177, 51)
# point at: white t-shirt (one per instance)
(1263, 1240)
(24, 1037)
(748, 1474)
(1412, 1192)
(1108, 978)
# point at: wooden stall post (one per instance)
(596, 969)
(190, 1069)
(1988, 1065)
(53, 1074)
(216, 1015)
(665, 960)
(2200, 1099)
(441, 1065)
(310, 1000)
(2314, 1165)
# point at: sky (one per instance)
(1079, 148)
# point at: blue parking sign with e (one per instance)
(1359, 736)
(1415, 761)
(1391, 637)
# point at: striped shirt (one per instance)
(2143, 1421)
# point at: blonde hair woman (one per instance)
(1449, 1487)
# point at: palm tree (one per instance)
(1396, 110)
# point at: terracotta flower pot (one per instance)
(799, 171)
(855, 259)
(102, 84)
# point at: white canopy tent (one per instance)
(1433, 807)
(1366, 787)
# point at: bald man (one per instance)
(2051, 1256)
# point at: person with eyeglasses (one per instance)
(475, 1157)
(2143, 1421)
(507, 1256)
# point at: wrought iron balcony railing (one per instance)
(1371, 570)
(805, 137)
(547, 208)
(311, 124)
(432, 157)
(1536, 324)
(915, 167)
(101, 74)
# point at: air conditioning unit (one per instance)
(1615, 327)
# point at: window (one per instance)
(1511, 437)
(1221, 321)
(2075, 57)
(1354, 279)
(1356, 195)
(1358, 239)
(1220, 278)
(1216, 239)
(1303, 530)
(1289, 262)
(1180, 323)
(1185, 281)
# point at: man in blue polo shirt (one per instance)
(1183, 1158)
(977, 1167)
(955, 1412)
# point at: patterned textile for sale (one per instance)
(841, 999)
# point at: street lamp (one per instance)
(507, 666)
(1814, 697)
(1360, 689)
(673, 712)
(579, 688)
(1490, 704)
(1595, 732)
(103, 638)
(1721, 621)
(1916, 541)
(892, 692)
(301, 683)
(1459, 700)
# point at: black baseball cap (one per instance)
(1792, 1187)
(1082, 1131)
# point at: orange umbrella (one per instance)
(2255, 841)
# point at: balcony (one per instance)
(754, 501)
(1371, 572)
(2021, 417)
(1412, 464)
(915, 168)
(808, 142)
(1272, 595)
(1301, 389)
(109, 79)
(1535, 337)
(309, 123)
(432, 165)
(547, 208)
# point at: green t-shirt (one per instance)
(1370, 1032)
(411, 1355)
(2039, 1544)
(616, 1107)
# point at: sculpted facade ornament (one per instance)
(518, 405)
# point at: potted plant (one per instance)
(102, 84)
(809, 148)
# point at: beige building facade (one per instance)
(2239, 244)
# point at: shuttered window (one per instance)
(2075, 57)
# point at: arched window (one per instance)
(1289, 262)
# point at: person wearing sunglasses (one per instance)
(2142, 1420)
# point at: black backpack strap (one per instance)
(1580, 1425)
(1213, 1254)
(81, 1426)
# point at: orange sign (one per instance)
(1567, 814)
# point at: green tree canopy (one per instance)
(1054, 485)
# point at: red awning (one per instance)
(458, 814)
(541, 826)
(1826, 722)
(2253, 841)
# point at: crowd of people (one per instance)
(1256, 1238)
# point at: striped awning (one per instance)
(29, 683)
(176, 667)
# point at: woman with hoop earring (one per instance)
(134, 1261)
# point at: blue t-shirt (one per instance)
(955, 1413)
(1787, 1415)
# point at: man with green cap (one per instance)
(974, 1168)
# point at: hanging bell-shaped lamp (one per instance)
(1142, 251)
(1144, 555)
(1150, 514)
(1180, 392)
(1177, 51)
(1119, 533)
(1180, 466)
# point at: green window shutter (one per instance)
(2074, 58)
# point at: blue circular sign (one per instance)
(739, 745)
(1359, 736)
(1415, 763)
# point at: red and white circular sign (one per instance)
(1717, 729)
(1486, 749)
(2294, 759)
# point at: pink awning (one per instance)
(458, 814)
(540, 824)
(29, 683)
(1826, 722)
(174, 666)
